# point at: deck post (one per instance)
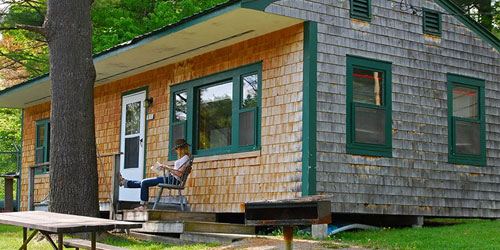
(114, 186)
(31, 188)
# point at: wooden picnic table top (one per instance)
(62, 223)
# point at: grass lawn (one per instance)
(450, 234)
(11, 237)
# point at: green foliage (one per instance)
(10, 122)
(10, 133)
(483, 11)
(113, 22)
(116, 21)
(456, 234)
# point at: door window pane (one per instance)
(214, 116)
(370, 125)
(465, 102)
(250, 87)
(467, 137)
(247, 128)
(133, 118)
(132, 152)
(180, 106)
(367, 86)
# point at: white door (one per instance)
(132, 143)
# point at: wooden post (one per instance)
(114, 186)
(288, 235)
(9, 198)
(31, 188)
(60, 241)
(93, 244)
(25, 236)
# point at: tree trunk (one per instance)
(73, 170)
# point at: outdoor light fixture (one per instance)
(148, 102)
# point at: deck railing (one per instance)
(113, 197)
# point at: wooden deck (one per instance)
(189, 226)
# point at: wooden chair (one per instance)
(176, 185)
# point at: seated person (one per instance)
(183, 155)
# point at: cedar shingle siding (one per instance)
(417, 180)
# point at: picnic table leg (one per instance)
(288, 235)
(47, 237)
(60, 241)
(26, 241)
(25, 236)
(93, 240)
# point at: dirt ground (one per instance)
(274, 243)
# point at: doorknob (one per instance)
(141, 141)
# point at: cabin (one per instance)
(388, 108)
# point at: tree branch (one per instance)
(36, 29)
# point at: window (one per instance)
(361, 9)
(368, 102)
(432, 22)
(218, 114)
(466, 120)
(42, 144)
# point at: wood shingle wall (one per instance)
(417, 180)
(218, 183)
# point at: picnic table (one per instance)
(56, 223)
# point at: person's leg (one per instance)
(132, 184)
(145, 184)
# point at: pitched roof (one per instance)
(222, 25)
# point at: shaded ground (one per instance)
(272, 243)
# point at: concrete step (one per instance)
(214, 237)
(161, 227)
(195, 226)
(215, 227)
(166, 215)
(159, 238)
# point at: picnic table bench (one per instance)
(86, 244)
(55, 223)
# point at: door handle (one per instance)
(141, 141)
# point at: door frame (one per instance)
(126, 93)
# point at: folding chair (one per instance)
(175, 184)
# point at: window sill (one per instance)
(467, 160)
(233, 156)
(369, 151)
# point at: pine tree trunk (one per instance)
(73, 169)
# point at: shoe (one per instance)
(122, 180)
(141, 208)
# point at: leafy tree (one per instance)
(485, 12)
(10, 138)
(113, 22)
(65, 25)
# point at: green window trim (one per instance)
(454, 156)
(190, 124)
(44, 147)
(361, 148)
(432, 22)
(361, 9)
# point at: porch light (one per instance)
(148, 102)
